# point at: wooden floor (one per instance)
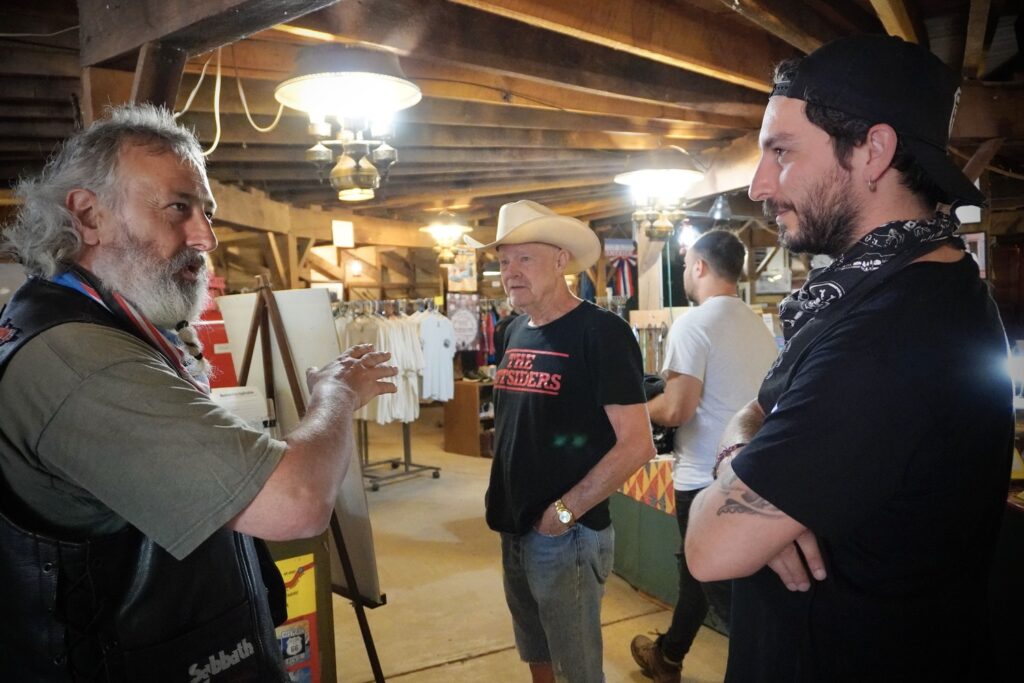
(446, 619)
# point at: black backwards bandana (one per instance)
(851, 277)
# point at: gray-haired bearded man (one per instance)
(130, 499)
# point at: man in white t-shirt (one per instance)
(716, 357)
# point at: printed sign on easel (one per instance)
(300, 647)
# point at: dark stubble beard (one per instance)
(151, 284)
(827, 220)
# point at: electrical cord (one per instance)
(40, 35)
(216, 109)
(245, 105)
(192, 95)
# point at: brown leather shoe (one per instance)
(652, 663)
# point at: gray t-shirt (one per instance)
(98, 431)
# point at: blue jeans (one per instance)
(554, 586)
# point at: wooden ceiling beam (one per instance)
(791, 21)
(652, 30)
(452, 112)
(975, 46)
(989, 111)
(254, 210)
(452, 196)
(424, 157)
(32, 110)
(325, 267)
(900, 18)
(37, 90)
(982, 158)
(110, 30)
(422, 177)
(53, 130)
(261, 102)
(32, 60)
(262, 63)
(849, 17)
(235, 129)
(465, 36)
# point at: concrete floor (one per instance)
(439, 565)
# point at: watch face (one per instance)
(564, 516)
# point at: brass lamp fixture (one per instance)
(350, 95)
(658, 182)
(447, 233)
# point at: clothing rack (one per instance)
(410, 468)
(382, 306)
(401, 468)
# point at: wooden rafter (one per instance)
(789, 20)
(652, 30)
(110, 30)
(974, 44)
(899, 19)
(463, 35)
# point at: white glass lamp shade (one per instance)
(348, 83)
(661, 176)
(355, 194)
(445, 230)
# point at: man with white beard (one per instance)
(129, 501)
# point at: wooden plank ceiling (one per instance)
(538, 99)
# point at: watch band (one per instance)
(564, 513)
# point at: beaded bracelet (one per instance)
(725, 453)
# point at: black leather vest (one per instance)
(119, 608)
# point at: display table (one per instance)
(646, 531)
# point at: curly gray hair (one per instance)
(43, 236)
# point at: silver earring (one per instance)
(871, 185)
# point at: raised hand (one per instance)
(360, 370)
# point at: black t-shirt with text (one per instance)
(891, 443)
(551, 428)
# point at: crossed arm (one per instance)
(734, 532)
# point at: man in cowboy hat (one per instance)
(871, 471)
(570, 427)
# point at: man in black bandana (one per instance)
(859, 495)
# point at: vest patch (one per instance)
(8, 332)
(221, 662)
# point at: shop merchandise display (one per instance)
(422, 346)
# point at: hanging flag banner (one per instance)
(621, 255)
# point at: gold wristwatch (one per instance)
(564, 514)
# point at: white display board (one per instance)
(309, 326)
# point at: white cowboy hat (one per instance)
(525, 221)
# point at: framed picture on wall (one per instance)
(977, 245)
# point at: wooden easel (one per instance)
(266, 317)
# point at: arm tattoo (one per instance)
(739, 499)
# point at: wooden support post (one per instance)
(102, 88)
(292, 263)
(981, 158)
(158, 74)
